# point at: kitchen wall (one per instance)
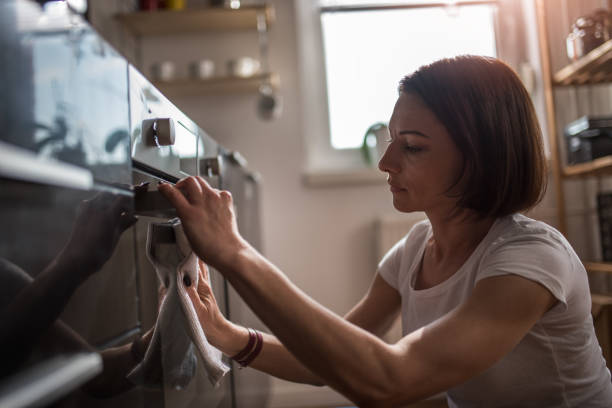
(322, 238)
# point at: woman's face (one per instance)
(421, 160)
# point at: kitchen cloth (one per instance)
(178, 335)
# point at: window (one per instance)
(362, 49)
(367, 52)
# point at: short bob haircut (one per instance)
(489, 115)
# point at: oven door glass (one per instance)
(64, 89)
(78, 247)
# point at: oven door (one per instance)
(166, 145)
(64, 164)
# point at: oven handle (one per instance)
(153, 204)
(20, 164)
(44, 383)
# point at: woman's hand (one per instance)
(208, 220)
(220, 332)
(96, 231)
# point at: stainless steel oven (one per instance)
(167, 145)
(81, 127)
(68, 277)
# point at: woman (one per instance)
(495, 306)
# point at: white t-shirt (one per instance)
(559, 362)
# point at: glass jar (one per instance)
(588, 33)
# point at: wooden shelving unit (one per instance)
(593, 68)
(605, 267)
(195, 20)
(596, 167)
(193, 87)
(203, 20)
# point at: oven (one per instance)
(167, 145)
(81, 128)
(69, 279)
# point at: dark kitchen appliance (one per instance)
(81, 127)
(588, 138)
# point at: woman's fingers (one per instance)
(193, 295)
(206, 188)
(203, 269)
(191, 189)
(174, 195)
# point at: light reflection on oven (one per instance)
(68, 283)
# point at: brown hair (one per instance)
(489, 115)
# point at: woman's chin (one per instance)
(405, 207)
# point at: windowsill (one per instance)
(343, 177)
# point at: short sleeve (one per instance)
(394, 265)
(389, 266)
(537, 256)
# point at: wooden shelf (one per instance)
(599, 166)
(195, 20)
(593, 68)
(196, 87)
(598, 267)
(601, 300)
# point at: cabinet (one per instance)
(204, 20)
(595, 68)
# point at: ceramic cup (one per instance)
(202, 69)
(162, 71)
(242, 67)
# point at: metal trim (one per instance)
(44, 383)
(20, 164)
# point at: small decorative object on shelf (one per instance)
(215, 85)
(587, 33)
(162, 71)
(588, 138)
(148, 5)
(202, 69)
(243, 67)
(174, 4)
(234, 4)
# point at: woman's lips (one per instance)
(395, 189)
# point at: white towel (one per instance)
(177, 333)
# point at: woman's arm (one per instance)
(358, 364)
(370, 372)
(373, 313)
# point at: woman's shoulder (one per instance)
(415, 237)
(404, 249)
(520, 229)
(535, 250)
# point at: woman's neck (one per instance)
(461, 231)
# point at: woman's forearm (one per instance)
(274, 358)
(344, 356)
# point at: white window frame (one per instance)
(320, 156)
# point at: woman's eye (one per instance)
(413, 149)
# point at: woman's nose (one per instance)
(387, 163)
